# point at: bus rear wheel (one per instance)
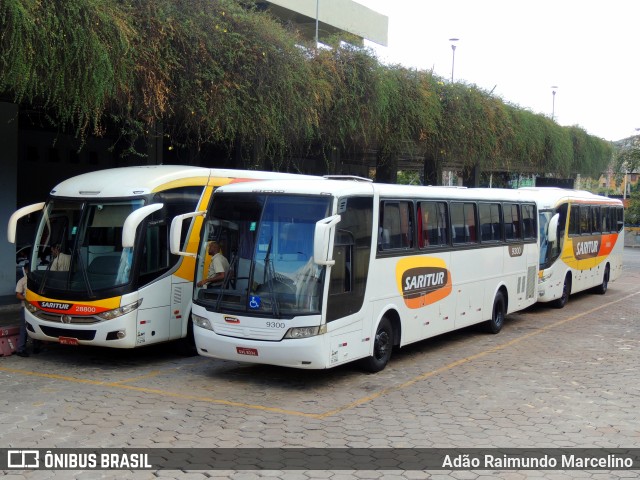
(602, 288)
(566, 291)
(382, 347)
(497, 315)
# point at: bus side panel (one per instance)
(180, 308)
(346, 342)
(154, 312)
(472, 271)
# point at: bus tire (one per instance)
(602, 288)
(382, 347)
(495, 324)
(566, 291)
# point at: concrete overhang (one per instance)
(334, 16)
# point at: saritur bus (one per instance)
(331, 271)
(120, 286)
(581, 242)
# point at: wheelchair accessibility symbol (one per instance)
(255, 302)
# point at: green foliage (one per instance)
(627, 157)
(72, 57)
(632, 214)
(224, 72)
(347, 80)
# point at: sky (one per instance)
(520, 49)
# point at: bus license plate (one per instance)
(253, 352)
(68, 341)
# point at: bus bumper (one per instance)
(117, 333)
(297, 353)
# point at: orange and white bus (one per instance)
(119, 285)
(581, 242)
(330, 271)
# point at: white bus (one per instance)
(581, 242)
(118, 286)
(330, 271)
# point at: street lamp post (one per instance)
(453, 56)
(553, 104)
(317, 20)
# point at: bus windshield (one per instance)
(78, 247)
(543, 222)
(550, 251)
(268, 241)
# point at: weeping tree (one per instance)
(347, 79)
(216, 72)
(408, 112)
(225, 73)
(72, 58)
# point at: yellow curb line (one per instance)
(355, 403)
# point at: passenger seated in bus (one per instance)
(218, 267)
(61, 261)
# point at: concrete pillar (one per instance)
(472, 176)
(8, 198)
(432, 170)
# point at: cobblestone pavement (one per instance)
(551, 378)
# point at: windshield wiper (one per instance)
(226, 280)
(270, 273)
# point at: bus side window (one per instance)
(463, 223)
(585, 220)
(471, 222)
(457, 223)
(512, 230)
(604, 215)
(432, 224)
(613, 219)
(397, 225)
(596, 226)
(490, 223)
(528, 222)
(620, 224)
(574, 220)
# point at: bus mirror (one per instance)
(552, 231)
(176, 232)
(17, 215)
(323, 240)
(133, 220)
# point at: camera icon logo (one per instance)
(21, 459)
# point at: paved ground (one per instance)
(551, 378)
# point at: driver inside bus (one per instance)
(61, 261)
(218, 267)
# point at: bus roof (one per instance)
(347, 187)
(142, 180)
(550, 197)
(543, 197)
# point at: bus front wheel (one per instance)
(566, 291)
(382, 347)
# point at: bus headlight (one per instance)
(305, 332)
(30, 307)
(118, 312)
(201, 322)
